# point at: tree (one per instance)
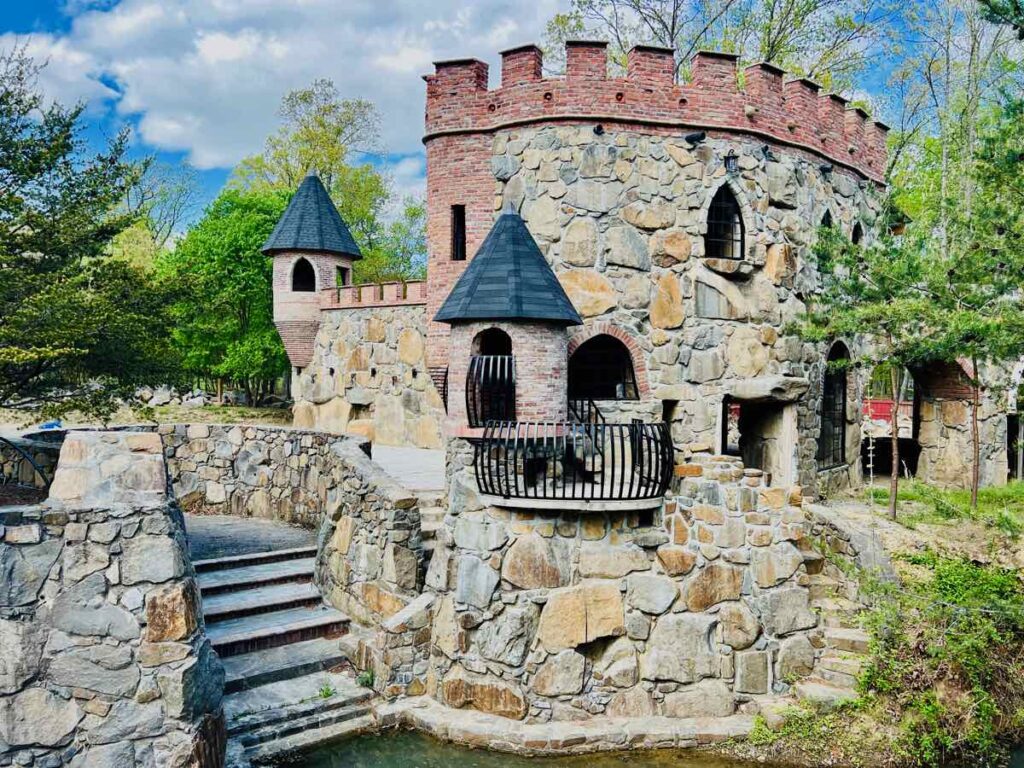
(828, 40)
(79, 330)
(401, 253)
(163, 197)
(224, 307)
(975, 275)
(1009, 12)
(322, 132)
(873, 293)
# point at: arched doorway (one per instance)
(601, 368)
(835, 386)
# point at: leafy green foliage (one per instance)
(79, 329)
(223, 309)
(366, 678)
(946, 660)
(322, 132)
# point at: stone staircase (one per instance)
(288, 684)
(846, 645)
(432, 512)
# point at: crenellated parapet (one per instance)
(758, 100)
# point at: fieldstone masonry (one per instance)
(104, 658)
(368, 376)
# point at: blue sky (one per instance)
(200, 80)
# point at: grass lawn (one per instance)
(1001, 508)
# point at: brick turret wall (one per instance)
(463, 119)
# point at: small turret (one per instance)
(509, 316)
(313, 251)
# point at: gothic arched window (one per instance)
(832, 440)
(303, 277)
(724, 239)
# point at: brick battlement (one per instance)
(374, 295)
(793, 113)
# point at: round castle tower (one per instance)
(678, 219)
(313, 252)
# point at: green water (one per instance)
(405, 749)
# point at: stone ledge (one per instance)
(571, 505)
(476, 729)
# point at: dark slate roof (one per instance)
(508, 279)
(312, 223)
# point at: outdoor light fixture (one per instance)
(599, 130)
(695, 138)
(732, 162)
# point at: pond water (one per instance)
(407, 749)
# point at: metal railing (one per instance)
(27, 457)
(574, 462)
(490, 389)
(584, 410)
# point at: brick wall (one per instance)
(540, 355)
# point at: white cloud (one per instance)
(206, 76)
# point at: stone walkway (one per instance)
(213, 536)
(418, 469)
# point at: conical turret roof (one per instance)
(312, 223)
(508, 279)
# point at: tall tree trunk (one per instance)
(975, 440)
(894, 421)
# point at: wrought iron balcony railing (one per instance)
(491, 389)
(583, 410)
(567, 461)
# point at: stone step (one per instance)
(269, 630)
(297, 743)
(273, 722)
(837, 611)
(823, 693)
(429, 528)
(849, 664)
(821, 586)
(282, 694)
(847, 639)
(254, 558)
(246, 671)
(249, 602)
(814, 562)
(251, 576)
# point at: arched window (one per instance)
(724, 239)
(602, 369)
(857, 235)
(832, 441)
(826, 220)
(303, 277)
(491, 379)
(492, 341)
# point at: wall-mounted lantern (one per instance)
(732, 162)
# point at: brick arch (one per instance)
(636, 355)
(746, 210)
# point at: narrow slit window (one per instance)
(344, 276)
(724, 239)
(458, 233)
(857, 236)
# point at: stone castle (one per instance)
(678, 220)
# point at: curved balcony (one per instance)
(569, 465)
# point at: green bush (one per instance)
(947, 660)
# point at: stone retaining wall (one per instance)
(105, 660)
(256, 471)
(370, 553)
(567, 616)
(369, 376)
